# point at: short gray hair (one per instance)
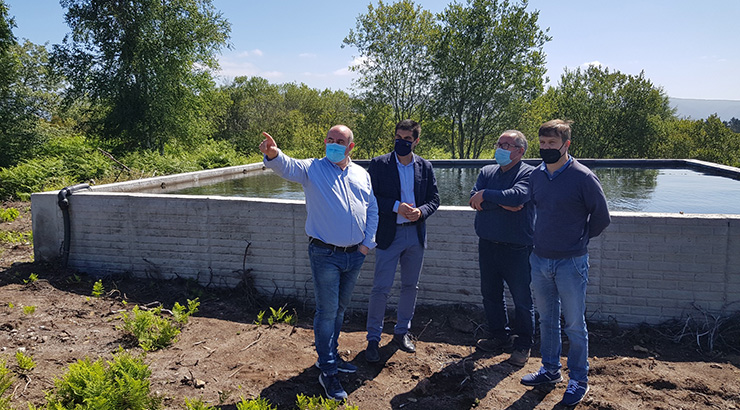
(520, 139)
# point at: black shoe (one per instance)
(372, 355)
(403, 341)
(332, 387)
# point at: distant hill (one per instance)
(700, 109)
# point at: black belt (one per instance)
(345, 249)
(408, 223)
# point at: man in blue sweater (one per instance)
(504, 224)
(571, 209)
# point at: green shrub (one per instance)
(29, 310)
(321, 403)
(258, 403)
(182, 315)
(123, 384)
(31, 278)
(98, 289)
(6, 380)
(25, 363)
(16, 237)
(197, 404)
(9, 215)
(260, 318)
(150, 329)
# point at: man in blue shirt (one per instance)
(341, 224)
(406, 190)
(571, 209)
(504, 224)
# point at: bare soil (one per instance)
(221, 355)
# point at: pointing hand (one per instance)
(269, 147)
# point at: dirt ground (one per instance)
(230, 357)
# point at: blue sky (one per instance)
(689, 48)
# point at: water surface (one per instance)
(626, 189)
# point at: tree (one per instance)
(733, 124)
(489, 62)
(394, 40)
(614, 115)
(144, 64)
(27, 94)
(716, 143)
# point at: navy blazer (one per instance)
(387, 189)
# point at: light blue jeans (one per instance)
(334, 277)
(408, 250)
(559, 285)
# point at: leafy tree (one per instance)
(489, 62)
(394, 41)
(297, 116)
(21, 74)
(254, 106)
(733, 124)
(614, 115)
(144, 64)
(716, 143)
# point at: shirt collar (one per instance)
(398, 162)
(557, 172)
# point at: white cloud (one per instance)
(272, 74)
(254, 53)
(356, 62)
(596, 63)
(235, 66)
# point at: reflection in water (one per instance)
(626, 189)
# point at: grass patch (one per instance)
(13, 237)
(8, 215)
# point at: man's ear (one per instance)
(349, 148)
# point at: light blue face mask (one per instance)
(335, 152)
(503, 157)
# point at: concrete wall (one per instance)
(644, 268)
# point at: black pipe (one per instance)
(63, 203)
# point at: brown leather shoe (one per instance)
(403, 341)
(519, 358)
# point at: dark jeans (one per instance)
(501, 262)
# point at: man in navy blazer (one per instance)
(406, 190)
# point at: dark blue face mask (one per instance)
(402, 147)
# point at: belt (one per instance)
(408, 223)
(345, 249)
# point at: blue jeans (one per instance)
(560, 285)
(501, 262)
(407, 249)
(334, 278)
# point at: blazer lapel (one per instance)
(395, 176)
(417, 181)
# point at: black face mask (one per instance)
(551, 155)
(402, 147)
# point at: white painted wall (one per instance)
(644, 267)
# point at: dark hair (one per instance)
(409, 125)
(556, 128)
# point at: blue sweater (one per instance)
(509, 188)
(571, 209)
